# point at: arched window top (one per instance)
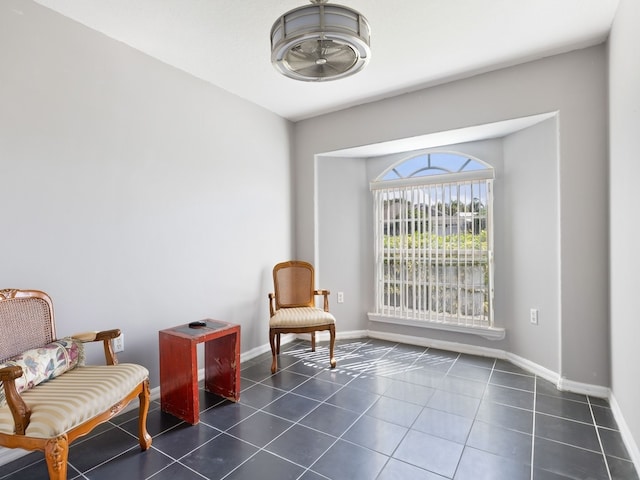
(429, 164)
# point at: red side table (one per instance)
(179, 366)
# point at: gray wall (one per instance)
(130, 190)
(574, 329)
(624, 98)
(530, 263)
(344, 225)
(127, 183)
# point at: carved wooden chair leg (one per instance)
(274, 351)
(332, 341)
(278, 344)
(56, 453)
(143, 434)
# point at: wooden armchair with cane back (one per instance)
(292, 308)
(48, 397)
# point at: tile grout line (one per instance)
(297, 422)
(595, 425)
(257, 410)
(493, 367)
(369, 369)
(409, 428)
(390, 456)
(309, 468)
(261, 449)
(380, 364)
(173, 463)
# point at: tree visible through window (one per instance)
(433, 241)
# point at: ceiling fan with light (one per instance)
(320, 42)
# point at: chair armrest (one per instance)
(272, 309)
(19, 410)
(325, 294)
(105, 337)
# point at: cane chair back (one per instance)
(293, 285)
(26, 321)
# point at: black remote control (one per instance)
(197, 324)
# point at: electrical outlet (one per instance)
(340, 297)
(118, 343)
(533, 316)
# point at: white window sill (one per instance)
(491, 333)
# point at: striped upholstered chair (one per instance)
(292, 308)
(48, 397)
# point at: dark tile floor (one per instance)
(388, 411)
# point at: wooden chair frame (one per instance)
(305, 297)
(56, 450)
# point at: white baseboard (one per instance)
(583, 388)
(440, 344)
(561, 383)
(8, 455)
(627, 438)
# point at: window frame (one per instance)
(417, 179)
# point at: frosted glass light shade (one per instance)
(320, 42)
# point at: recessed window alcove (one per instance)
(522, 155)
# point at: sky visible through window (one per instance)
(433, 164)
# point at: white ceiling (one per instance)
(414, 43)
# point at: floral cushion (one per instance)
(44, 363)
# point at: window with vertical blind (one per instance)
(433, 244)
